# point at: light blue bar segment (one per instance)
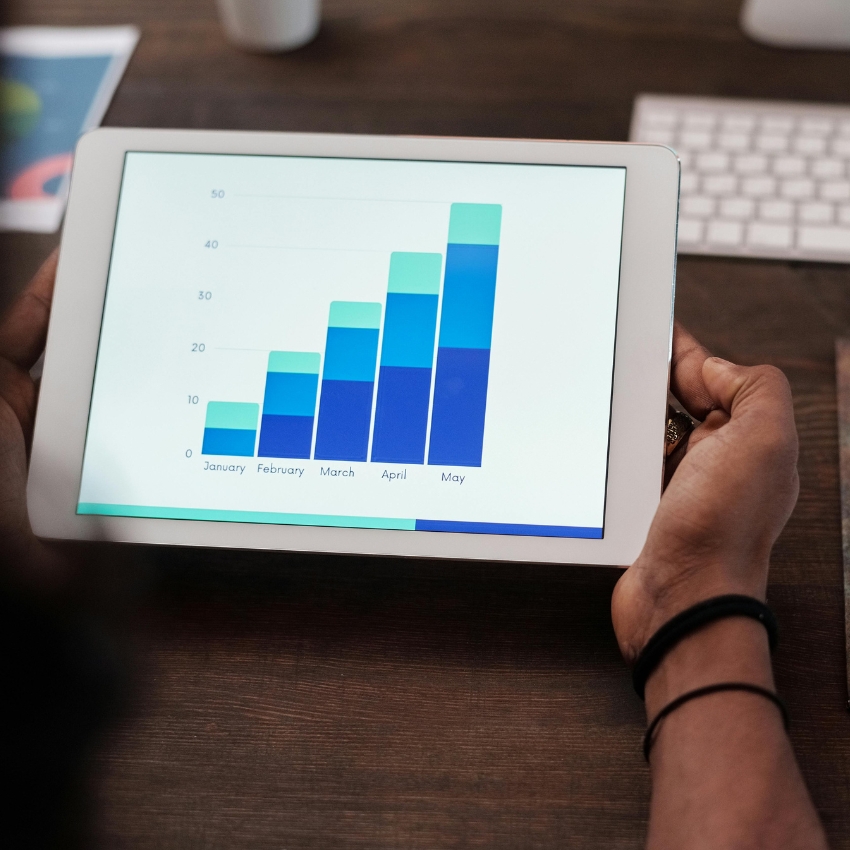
(296, 362)
(475, 224)
(261, 517)
(355, 314)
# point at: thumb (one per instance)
(760, 391)
(724, 381)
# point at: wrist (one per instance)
(653, 591)
(734, 649)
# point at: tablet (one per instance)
(426, 347)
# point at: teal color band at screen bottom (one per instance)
(329, 521)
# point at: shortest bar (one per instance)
(289, 406)
(230, 428)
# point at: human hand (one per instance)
(727, 501)
(23, 331)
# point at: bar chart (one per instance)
(405, 331)
(408, 345)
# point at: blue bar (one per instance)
(460, 401)
(285, 436)
(510, 528)
(401, 415)
(289, 408)
(229, 441)
(348, 381)
(345, 412)
(466, 331)
(404, 387)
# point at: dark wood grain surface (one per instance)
(330, 702)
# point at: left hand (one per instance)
(24, 560)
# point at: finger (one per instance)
(686, 378)
(23, 329)
(758, 391)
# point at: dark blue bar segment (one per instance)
(401, 415)
(510, 528)
(460, 401)
(345, 412)
(229, 441)
(285, 436)
(469, 295)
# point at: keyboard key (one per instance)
(776, 210)
(690, 231)
(797, 189)
(720, 184)
(825, 239)
(816, 213)
(836, 191)
(733, 142)
(844, 128)
(690, 182)
(826, 168)
(658, 137)
(772, 144)
(698, 206)
(712, 162)
(769, 235)
(695, 140)
(789, 166)
(738, 123)
(777, 124)
(759, 187)
(844, 214)
(810, 145)
(755, 163)
(700, 120)
(841, 147)
(816, 126)
(662, 118)
(725, 233)
(740, 208)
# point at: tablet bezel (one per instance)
(641, 363)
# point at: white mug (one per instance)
(270, 24)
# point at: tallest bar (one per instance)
(466, 327)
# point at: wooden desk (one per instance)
(323, 702)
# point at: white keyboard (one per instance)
(759, 178)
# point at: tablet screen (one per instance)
(394, 344)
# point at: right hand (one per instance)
(727, 501)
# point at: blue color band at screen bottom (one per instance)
(269, 518)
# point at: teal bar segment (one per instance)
(294, 362)
(355, 314)
(232, 415)
(415, 274)
(260, 517)
(475, 224)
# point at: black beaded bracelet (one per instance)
(649, 739)
(690, 620)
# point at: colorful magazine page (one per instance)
(57, 83)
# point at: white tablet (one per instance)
(400, 346)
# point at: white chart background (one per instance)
(294, 234)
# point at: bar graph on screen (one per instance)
(393, 346)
